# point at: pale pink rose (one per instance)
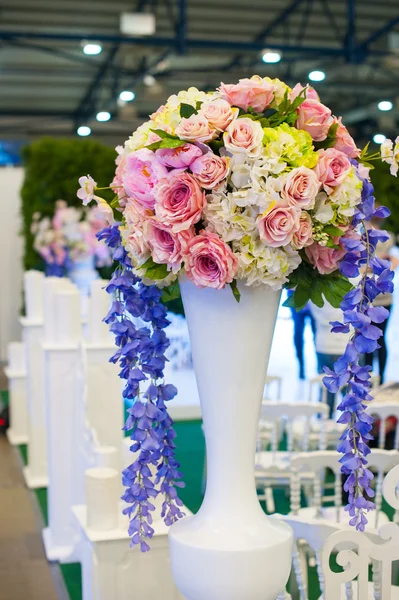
(300, 187)
(218, 113)
(117, 182)
(303, 236)
(315, 118)
(278, 225)
(332, 168)
(178, 158)
(142, 172)
(179, 201)
(244, 136)
(167, 247)
(310, 92)
(135, 213)
(325, 260)
(210, 169)
(195, 129)
(210, 261)
(255, 93)
(136, 245)
(345, 142)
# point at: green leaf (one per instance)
(301, 296)
(186, 110)
(333, 231)
(235, 290)
(164, 134)
(198, 105)
(157, 272)
(174, 143)
(330, 244)
(171, 292)
(316, 294)
(215, 145)
(329, 142)
(154, 146)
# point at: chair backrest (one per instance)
(383, 410)
(316, 463)
(284, 414)
(273, 379)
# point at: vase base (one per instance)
(207, 565)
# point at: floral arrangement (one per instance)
(69, 236)
(254, 182)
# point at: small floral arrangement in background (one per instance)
(260, 183)
(70, 236)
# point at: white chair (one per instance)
(381, 411)
(316, 463)
(272, 467)
(269, 381)
(355, 552)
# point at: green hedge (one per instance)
(52, 170)
(387, 193)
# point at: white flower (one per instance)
(139, 139)
(260, 264)
(347, 195)
(240, 169)
(390, 155)
(323, 211)
(87, 189)
(231, 222)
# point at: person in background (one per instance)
(299, 319)
(387, 251)
(329, 346)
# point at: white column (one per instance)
(62, 365)
(17, 433)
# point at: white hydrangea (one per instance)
(139, 138)
(260, 264)
(347, 195)
(225, 217)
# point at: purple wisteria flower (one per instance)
(137, 318)
(360, 316)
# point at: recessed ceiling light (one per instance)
(92, 49)
(317, 75)
(83, 130)
(379, 138)
(149, 80)
(385, 105)
(127, 96)
(103, 116)
(270, 56)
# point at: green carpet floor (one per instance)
(190, 453)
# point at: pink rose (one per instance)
(244, 136)
(255, 93)
(179, 201)
(135, 213)
(135, 244)
(315, 118)
(218, 113)
(303, 236)
(178, 158)
(345, 142)
(310, 92)
(210, 261)
(117, 183)
(325, 260)
(167, 247)
(195, 129)
(278, 225)
(332, 168)
(209, 170)
(143, 171)
(300, 187)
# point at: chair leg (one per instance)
(270, 506)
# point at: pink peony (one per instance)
(310, 92)
(303, 236)
(332, 168)
(255, 93)
(178, 158)
(142, 172)
(195, 129)
(210, 261)
(179, 201)
(325, 260)
(167, 247)
(218, 113)
(345, 142)
(244, 136)
(300, 187)
(315, 118)
(278, 225)
(209, 170)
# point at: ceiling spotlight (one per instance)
(385, 105)
(270, 56)
(83, 131)
(317, 75)
(379, 138)
(92, 49)
(149, 80)
(127, 96)
(103, 116)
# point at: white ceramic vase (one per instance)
(82, 272)
(230, 550)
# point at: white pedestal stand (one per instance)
(62, 364)
(17, 433)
